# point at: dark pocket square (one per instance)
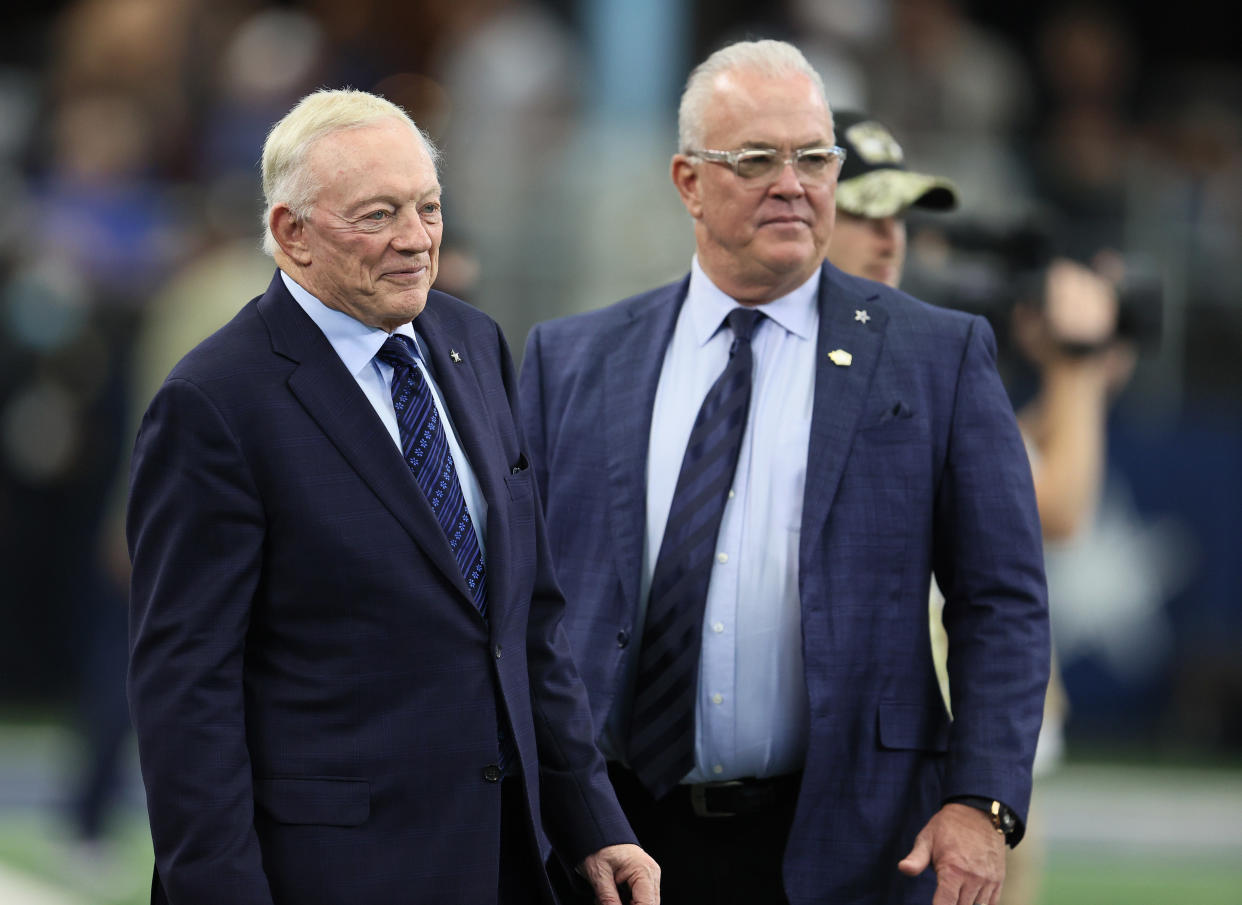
(896, 411)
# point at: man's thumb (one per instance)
(916, 862)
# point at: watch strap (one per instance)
(1004, 821)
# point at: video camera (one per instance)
(988, 270)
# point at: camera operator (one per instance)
(1067, 329)
(1070, 336)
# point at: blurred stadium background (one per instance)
(129, 203)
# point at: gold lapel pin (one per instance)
(840, 358)
(453, 354)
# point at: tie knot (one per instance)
(742, 321)
(398, 351)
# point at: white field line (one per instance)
(19, 889)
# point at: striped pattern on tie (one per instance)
(661, 748)
(425, 448)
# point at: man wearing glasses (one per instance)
(749, 478)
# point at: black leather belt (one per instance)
(738, 797)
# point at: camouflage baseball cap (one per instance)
(874, 181)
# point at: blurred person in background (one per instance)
(513, 77)
(959, 95)
(346, 673)
(101, 165)
(266, 60)
(837, 38)
(167, 309)
(748, 586)
(142, 50)
(1069, 333)
(874, 192)
(1085, 131)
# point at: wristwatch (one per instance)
(1003, 818)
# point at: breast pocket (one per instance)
(892, 457)
(519, 480)
(886, 414)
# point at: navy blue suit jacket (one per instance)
(915, 465)
(315, 695)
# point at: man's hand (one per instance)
(966, 852)
(629, 865)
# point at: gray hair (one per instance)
(286, 178)
(772, 58)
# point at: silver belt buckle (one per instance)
(698, 798)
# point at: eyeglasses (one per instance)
(814, 166)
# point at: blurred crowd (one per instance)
(129, 222)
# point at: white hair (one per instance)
(286, 178)
(772, 58)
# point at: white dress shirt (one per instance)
(752, 710)
(357, 344)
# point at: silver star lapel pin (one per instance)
(861, 315)
(453, 354)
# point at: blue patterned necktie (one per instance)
(425, 448)
(661, 749)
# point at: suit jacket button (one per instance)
(623, 638)
(491, 773)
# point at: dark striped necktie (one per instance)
(661, 749)
(424, 445)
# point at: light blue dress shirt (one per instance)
(357, 344)
(752, 712)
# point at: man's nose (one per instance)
(886, 229)
(411, 234)
(787, 183)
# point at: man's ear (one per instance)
(686, 179)
(289, 233)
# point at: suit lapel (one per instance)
(840, 391)
(333, 399)
(632, 373)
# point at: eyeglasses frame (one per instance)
(732, 158)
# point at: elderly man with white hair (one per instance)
(348, 676)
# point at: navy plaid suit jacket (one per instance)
(915, 464)
(316, 696)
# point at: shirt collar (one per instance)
(355, 342)
(709, 305)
